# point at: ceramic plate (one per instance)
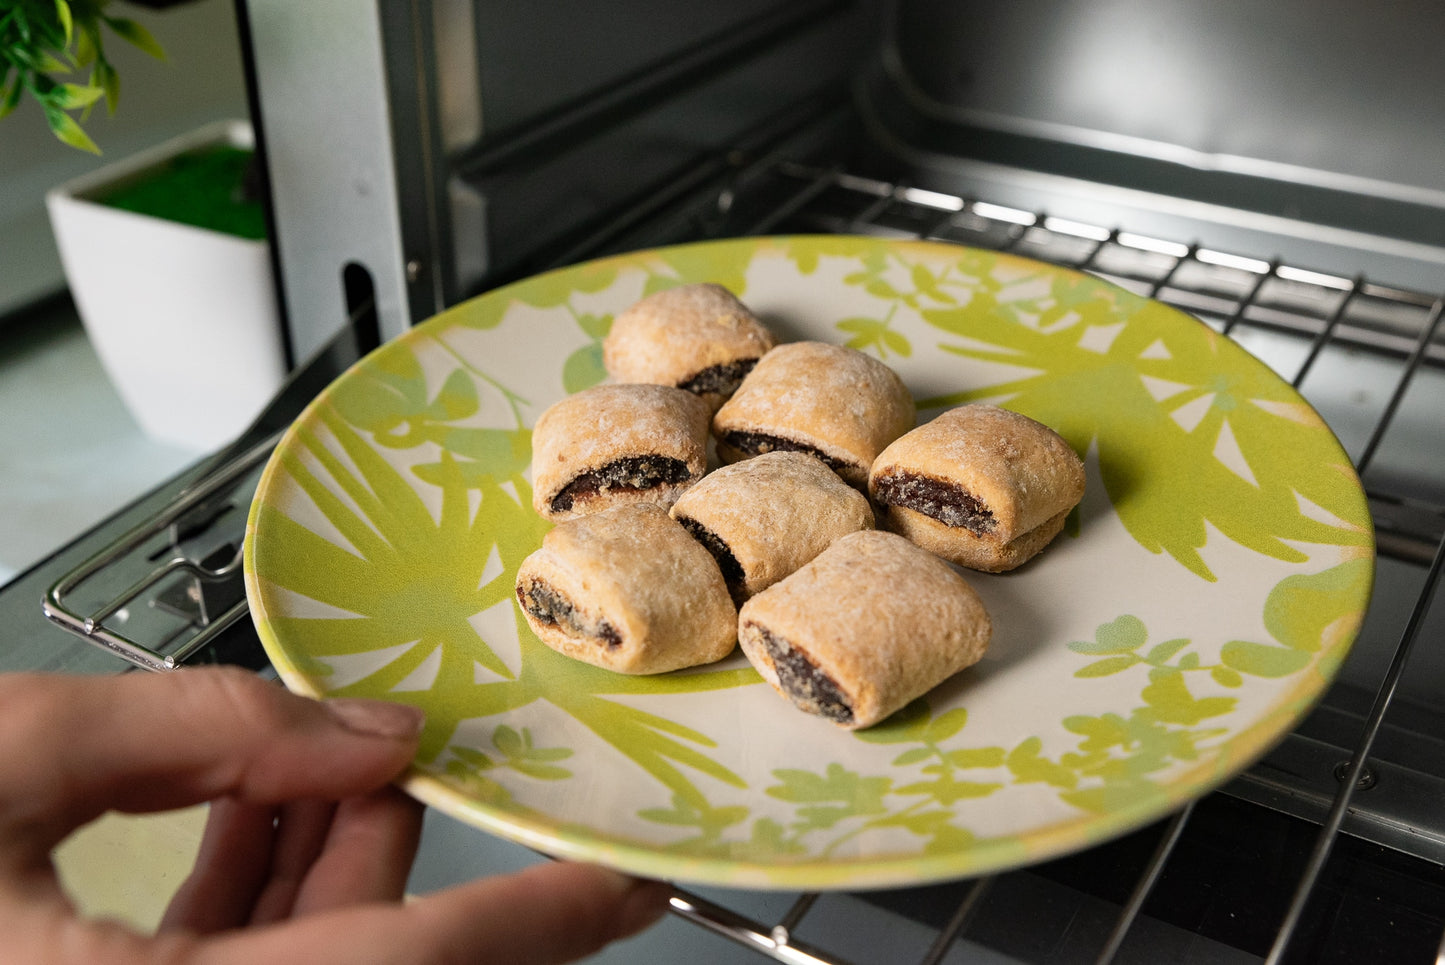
(1201, 598)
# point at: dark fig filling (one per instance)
(945, 502)
(732, 570)
(632, 474)
(757, 443)
(548, 606)
(723, 379)
(806, 685)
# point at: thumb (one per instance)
(78, 746)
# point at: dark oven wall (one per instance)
(593, 109)
(434, 149)
(1326, 113)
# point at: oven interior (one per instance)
(1275, 173)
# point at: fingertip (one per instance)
(644, 906)
(620, 904)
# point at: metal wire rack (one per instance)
(1297, 320)
(1293, 318)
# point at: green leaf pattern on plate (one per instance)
(386, 536)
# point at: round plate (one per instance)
(1199, 601)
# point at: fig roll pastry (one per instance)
(868, 625)
(697, 337)
(614, 444)
(766, 516)
(981, 486)
(628, 590)
(830, 401)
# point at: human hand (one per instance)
(307, 846)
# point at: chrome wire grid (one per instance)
(166, 589)
(1294, 319)
(1297, 320)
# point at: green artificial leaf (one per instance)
(64, 127)
(10, 97)
(104, 76)
(67, 22)
(136, 35)
(48, 63)
(71, 96)
(87, 45)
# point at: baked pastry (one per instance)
(765, 517)
(979, 485)
(871, 623)
(696, 337)
(830, 401)
(613, 444)
(627, 589)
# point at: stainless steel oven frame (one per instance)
(410, 206)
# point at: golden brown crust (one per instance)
(883, 619)
(598, 427)
(672, 336)
(843, 404)
(1022, 475)
(646, 598)
(773, 513)
(964, 548)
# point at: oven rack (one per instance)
(201, 588)
(1242, 297)
(1235, 294)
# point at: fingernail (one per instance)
(377, 718)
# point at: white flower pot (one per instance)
(184, 319)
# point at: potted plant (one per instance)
(165, 252)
